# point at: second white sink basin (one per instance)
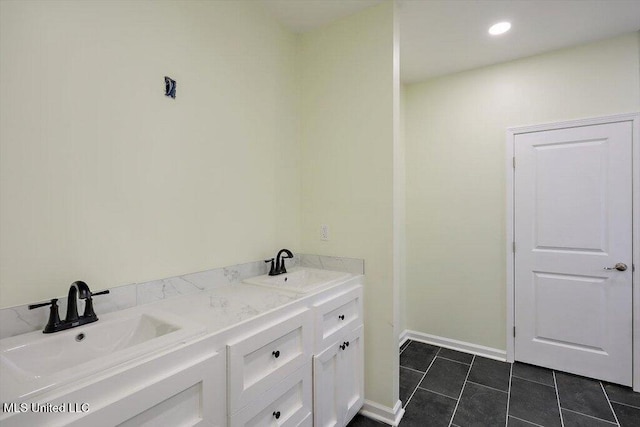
(300, 279)
(44, 361)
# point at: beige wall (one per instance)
(105, 179)
(455, 136)
(347, 139)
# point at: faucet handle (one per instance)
(54, 317)
(43, 304)
(93, 294)
(88, 305)
(272, 270)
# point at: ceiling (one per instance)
(440, 37)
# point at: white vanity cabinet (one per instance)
(304, 368)
(299, 364)
(338, 367)
(184, 386)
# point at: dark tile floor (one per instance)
(442, 387)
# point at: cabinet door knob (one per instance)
(346, 343)
(276, 354)
(341, 317)
(276, 414)
(342, 347)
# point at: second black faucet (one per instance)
(279, 267)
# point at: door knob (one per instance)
(621, 266)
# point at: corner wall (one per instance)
(455, 142)
(105, 179)
(348, 108)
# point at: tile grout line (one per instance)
(524, 421)
(439, 394)
(625, 404)
(532, 381)
(411, 369)
(506, 421)
(489, 387)
(404, 348)
(462, 390)
(615, 417)
(555, 383)
(591, 416)
(422, 379)
(457, 361)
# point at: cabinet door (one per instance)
(339, 381)
(327, 404)
(352, 374)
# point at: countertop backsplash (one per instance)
(19, 320)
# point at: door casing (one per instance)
(510, 216)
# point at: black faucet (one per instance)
(278, 267)
(287, 254)
(77, 290)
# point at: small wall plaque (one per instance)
(169, 87)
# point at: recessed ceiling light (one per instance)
(499, 28)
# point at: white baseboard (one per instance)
(480, 350)
(403, 337)
(382, 413)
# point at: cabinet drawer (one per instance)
(261, 360)
(186, 386)
(289, 401)
(337, 315)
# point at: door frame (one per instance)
(511, 133)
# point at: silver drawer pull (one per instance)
(276, 354)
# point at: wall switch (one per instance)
(324, 232)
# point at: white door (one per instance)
(573, 199)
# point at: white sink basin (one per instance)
(35, 362)
(300, 279)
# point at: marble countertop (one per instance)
(226, 306)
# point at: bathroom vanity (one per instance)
(285, 350)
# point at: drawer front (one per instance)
(186, 386)
(261, 360)
(334, 317)
(287, 404)
(193, 395)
